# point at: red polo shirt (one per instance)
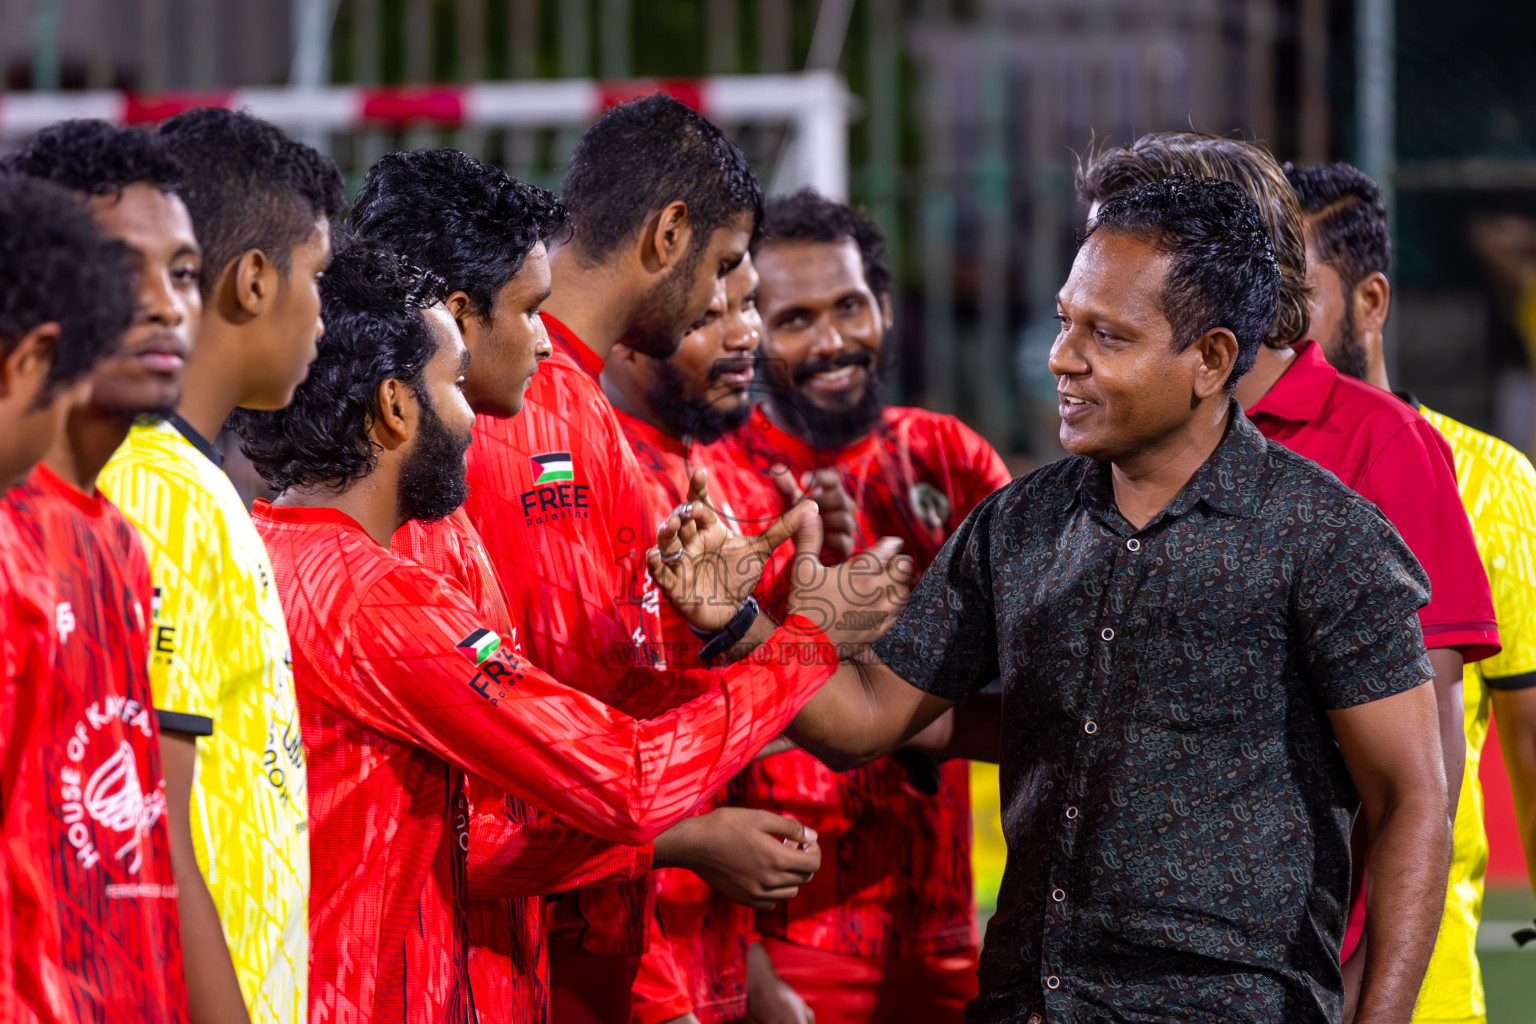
(1382, 449)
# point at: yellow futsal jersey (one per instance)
(1498, 488)
(221, 671)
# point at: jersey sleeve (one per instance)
(1511, 535)
(945, 640)
(516, 849)
(430, 675)
(1413, 481)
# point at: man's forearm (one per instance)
(1405, 877)
(972, 730)
(213, 990)
(1514, 712)
(1451, 717)
(863, 712)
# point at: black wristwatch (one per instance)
(729, 635)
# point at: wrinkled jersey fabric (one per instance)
(403, 689)
(517, 853)
(696, 960)
(895, 878)
(556, 496)
(92, 781)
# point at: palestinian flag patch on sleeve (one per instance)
(479, 645)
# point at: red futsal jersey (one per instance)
(1382, 449)
(89, 785)
(403, 689)
(699, 937)
(556, 495)
(517, 853)
(31, 977)
(895, 876)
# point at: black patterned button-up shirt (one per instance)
(1176, 808)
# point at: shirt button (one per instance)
(1090, 727)
(1071, 812)
(1053, 982)
(1133, 544)
(1107, 634)
(1058, 895)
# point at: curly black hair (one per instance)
(1349, 219)
(1158, 155)
(371, 301)
(96, 158)
(644, 154)
(809, 216)
(56, 267)
(249, 186)
(1222, 270)
(465, 220)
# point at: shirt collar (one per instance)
(564, 338)
(1302, 389)
(1229, 481)
(196, 440)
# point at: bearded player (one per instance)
(1349, 258)
(886, 931)
(484, 234)
(66, 298)
(673, 409)
(99, 790)
(662, 206)
(395, 665)
(261, 204)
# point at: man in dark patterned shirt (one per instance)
(1206, 645)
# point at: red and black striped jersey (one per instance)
(517, 853)
(89, 793)
(31, 980)
(403, 688)
(699, 937)
(895, 876)
(556, 495)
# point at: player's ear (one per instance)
(666, 236)
(885, 310)
(1218, 354)
(394, 420)
(1372, 299)
(622, 353)
(253, 280)
(25, 365)
(460, 308)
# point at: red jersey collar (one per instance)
(566, 340)
(92, 505)
(1299, 394)
(305, 516)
